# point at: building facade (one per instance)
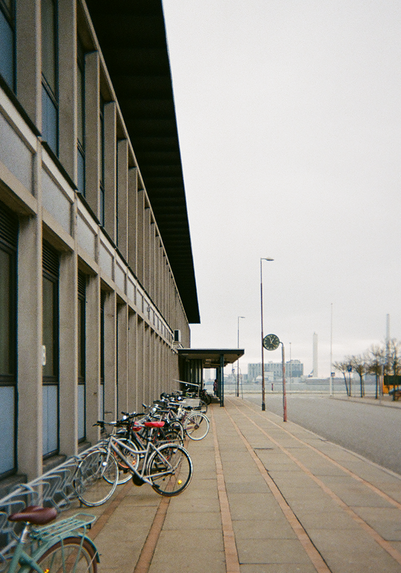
(97, 281)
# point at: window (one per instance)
(8, 340)
(51, 351)
(102, 162)
(49, 75)
(81, 118)
(81, 356)
(7, 42)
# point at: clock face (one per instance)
(271, 342)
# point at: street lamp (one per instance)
(238, 358)
(261, 324)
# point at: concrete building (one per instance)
(97, 283)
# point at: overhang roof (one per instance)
(133, 41)
(211, 357)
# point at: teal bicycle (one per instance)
(60, 547)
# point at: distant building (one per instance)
(274, 370)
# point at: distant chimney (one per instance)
(315, 356)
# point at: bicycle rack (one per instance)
(55, 489)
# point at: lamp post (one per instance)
(238, 358)
(261, 325)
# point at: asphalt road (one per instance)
(369, 430)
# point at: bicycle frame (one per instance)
(145, 454)
(21, 562)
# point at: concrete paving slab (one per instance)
(277, 568)
(189, 552)
(357, 495)
(334, 519)
(191, 520)
(360, 559)
(277, 527)
(271, 551)
(252, 506)
(386, 521)
(250, 486)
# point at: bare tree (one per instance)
(359, 364)
(379, 359)
(343, 368)
(375, 364)
(393, 357)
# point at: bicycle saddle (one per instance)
(35, 514)
(154, 424)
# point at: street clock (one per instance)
(271, 342)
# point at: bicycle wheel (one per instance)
(203, 406)
(69, 555)
(197, 425)
(124, 472)
(96, 478)
(178, 427)
(176, 462)
(169, 436)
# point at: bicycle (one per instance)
(193, 422)
(167, 468)
(196, 424)
(62, 547)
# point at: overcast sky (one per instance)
(289, 119)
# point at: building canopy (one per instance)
(212, 358)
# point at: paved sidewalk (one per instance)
(266, 497)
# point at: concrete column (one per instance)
(151, 382)
(123, 205)
(110, 386)
(146, 364)
(30, 347)
(110, 171)
(92, 131)
(140, 367)
(67, 51)
(92, 366)
(123, 391)
(140, 267)
(29, 65)
(147, 248)
(152, 259)
(132, 229)
(68, 361)
(132, 362)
